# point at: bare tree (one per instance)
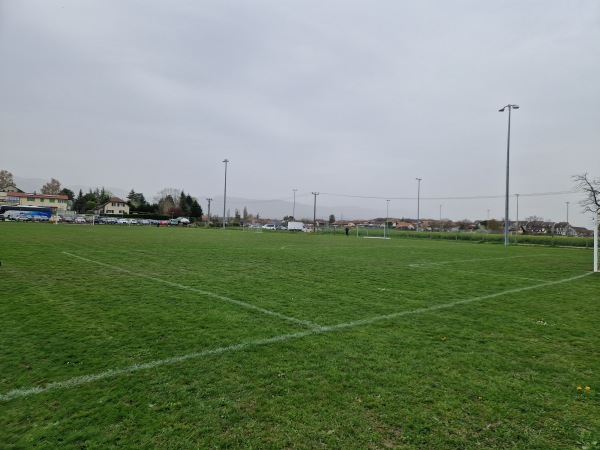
(52, 187)
(6, 179)
(167, 205)
(172, 193)
(533, 219)
(591, 188)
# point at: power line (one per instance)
(476, 197)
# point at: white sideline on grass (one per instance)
(450, 261)
(200, 291)
(86, 379)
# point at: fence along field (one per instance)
(186, 337)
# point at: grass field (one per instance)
(143, 337)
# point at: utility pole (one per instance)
(315, 212)
(209, 200)
(387, 218)
(567, 230)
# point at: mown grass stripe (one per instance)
(199, 291)
(85, 379)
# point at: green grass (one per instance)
(138, 337)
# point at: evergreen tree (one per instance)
(103, 196)
(132, 200)
(236, 218)
(183, 204)
(79, 203)
(196, 209)
(68, 192)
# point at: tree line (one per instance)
(168, 201)
(176, 202)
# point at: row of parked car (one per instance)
(97, 220)
(147, 222)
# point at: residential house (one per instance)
(582, 232)
(114, 205)
(7, 190)
(563, 228)
(401, 225)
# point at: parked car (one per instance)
(183, 220)
(122, 222)
(173, 222)
(163, 223)
(133, 222)
(79, 219)
(144, 222)
(269, 226)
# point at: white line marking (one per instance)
(200, 291)
(86, 379)
(497, 275)
(458, 261)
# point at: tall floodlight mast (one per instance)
(294, 209)
(506, 226)
(225, 192)
(418, 201)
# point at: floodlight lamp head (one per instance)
(501, 110)
(515, 106)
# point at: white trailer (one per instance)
(295, 226)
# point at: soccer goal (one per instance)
(372, 232)
(252, 228)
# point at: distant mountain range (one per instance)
(277, 209)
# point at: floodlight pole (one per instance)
(418, 202)
(506, 225)
(294, 209)
(315, 213)
(225, 192)
(517, 195)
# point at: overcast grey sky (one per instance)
(342, 97)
